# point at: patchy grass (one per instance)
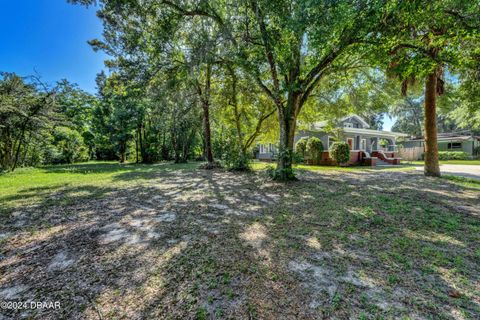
(30, 185)
(169, 241)
(259, 166)
(463, 181)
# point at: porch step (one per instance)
(380, 162)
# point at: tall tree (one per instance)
(423, 40)
(287, 47)
(26, 107)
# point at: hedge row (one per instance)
(453, 155)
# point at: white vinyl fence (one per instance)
(410, 154)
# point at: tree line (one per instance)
(208, 79)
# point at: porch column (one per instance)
(393, 144)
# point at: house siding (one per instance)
(467, 145)
(306, 134)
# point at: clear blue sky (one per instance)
(388, 123)
(50, 36)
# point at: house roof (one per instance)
(448, 138)
(358, 118)
(321, 124)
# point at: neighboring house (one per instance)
(454, 141)
(363, 141)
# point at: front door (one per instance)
(350, 143)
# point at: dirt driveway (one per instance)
(468, 171)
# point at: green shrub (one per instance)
(297, 158)
(283, 174)
(314, 148)
(453, 155)
(280, 174)
(67, 147)
(301, 146)
(235, 161)
(227, 151)
(476, 151)
(340, 152)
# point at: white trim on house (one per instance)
(375, 132)
(448, 139)
(359, 119)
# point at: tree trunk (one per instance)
(287, 122)
(146, 158)
(123, 150)
(236, 112)
(136, 148)
(17, 153)
(207, 133)
(206, 116)
(431, 147)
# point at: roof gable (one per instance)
(357, 118)
(321, 124)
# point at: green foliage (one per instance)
(453, 155)
(69, 145)
(232, 158)
(301, 146)
(340, 152)
(314, 148)
(297, 158)
(27, 110)
(383, 143)
(285, 174)
(476, 151)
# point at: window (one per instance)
(348, 125)
(454, 145)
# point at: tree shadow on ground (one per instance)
(217, 244)
(100, 167)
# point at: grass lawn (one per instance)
(169, 241)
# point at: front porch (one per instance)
(367, 147)
(361, 157)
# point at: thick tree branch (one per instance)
(268, 49)
(258, 127)
(195, 12)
